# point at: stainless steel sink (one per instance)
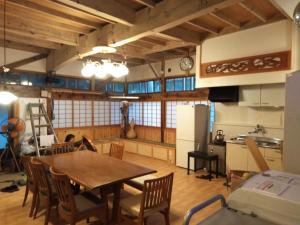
(261, 141)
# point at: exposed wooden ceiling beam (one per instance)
(119, 58)
(202, 27)
(23, 47)
(148, 3)
(253, 10)
(35, 31)
(23, 62)
(109, 10)
(153, 41)
(52, 14)
(220, 16)
(166, 15)
(165, 36)
(184, 35)
(16, 13)
(30, 41)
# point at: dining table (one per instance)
(93, 170)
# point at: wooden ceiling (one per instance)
(142, 30)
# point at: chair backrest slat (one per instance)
(64, 147)
(64, 192)
(157, 191)
(116, 151)
(41, 178)
(25, 160)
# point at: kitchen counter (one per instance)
(241, 142)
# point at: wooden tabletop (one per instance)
(92, 170)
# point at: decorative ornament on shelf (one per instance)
(131, 132)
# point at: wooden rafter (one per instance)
(202, 27)
(148, 3)
(23, 62)
(23, 47)
(220, 16)
(29, 41)
(35, 31)
(184, 35)
(165, 15)
(53, 14)
(109, 10)
(254, 11)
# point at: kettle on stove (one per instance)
(219, 138)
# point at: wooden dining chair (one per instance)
(30, 184)
(116, 151)
(64, 147)
(155, 198)
(46, 193)
(73, 208)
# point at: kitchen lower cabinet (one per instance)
(238, 157)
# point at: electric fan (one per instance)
(12, 129)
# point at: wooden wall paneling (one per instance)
(145, 149)
(170, 136)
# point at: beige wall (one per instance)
(234, 119)
(145, 73)
(269, 38)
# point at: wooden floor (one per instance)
(187, 192)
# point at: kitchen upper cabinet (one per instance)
(262, 95)
(249, 96)
(272, 95)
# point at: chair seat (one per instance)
(86, 201)
(132, 205)
(139, 181)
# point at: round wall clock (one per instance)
(186, 63)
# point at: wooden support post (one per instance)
(163, 102)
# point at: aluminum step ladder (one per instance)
(44, 122)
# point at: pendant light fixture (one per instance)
(5, 96)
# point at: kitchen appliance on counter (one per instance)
(219, 138)
(191, 132)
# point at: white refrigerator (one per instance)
(192, 128)
(291, 144)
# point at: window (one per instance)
(212, 116)
(115, 112)
(4, 110)
(135, 112)
(113, 87)
(152, 86)
(171, 111)
(62, 113)
(83, 84)
(82, 113)
(151, 114)
(101, 113)
(180, 84)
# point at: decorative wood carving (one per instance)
(253, 64)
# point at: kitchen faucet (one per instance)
(258, 129)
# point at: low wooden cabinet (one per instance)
(238, 157)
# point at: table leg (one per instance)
(188, 169)
(217, 167)
(209, 170)
(116, 204)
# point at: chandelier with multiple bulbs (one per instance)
(105, 67)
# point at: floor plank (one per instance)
(187, 192)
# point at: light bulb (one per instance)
(7, 97)
(88, 70)
(100, 71)
(119, 70)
